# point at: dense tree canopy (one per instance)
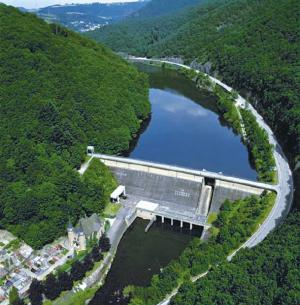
(156, 8)
(267, 274)
(59, 92)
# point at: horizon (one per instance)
(35, 4)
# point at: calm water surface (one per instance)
(140, 255)
(185, 129)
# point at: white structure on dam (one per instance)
(176, 193)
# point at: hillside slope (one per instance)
(156, 8)
(83, 17)
(267, 274)
(58, 93)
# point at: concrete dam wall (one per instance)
(178, 193)
(159, 188)
(232, 191)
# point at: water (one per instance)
(186, 130)
(140, 255)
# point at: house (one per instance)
(87, 227)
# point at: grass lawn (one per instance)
(111, 210)
(212, 217)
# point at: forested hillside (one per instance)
(268, 274)
(252, 45)
(58, 93)
(155, 8)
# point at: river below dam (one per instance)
(140, 255)
(184, 130)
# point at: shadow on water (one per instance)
(135, 140)
(140, 255)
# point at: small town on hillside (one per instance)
(20, 264)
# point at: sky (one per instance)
(42, 3)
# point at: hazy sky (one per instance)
(43, 3)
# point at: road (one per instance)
(284, 187)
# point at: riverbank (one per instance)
(186, 129)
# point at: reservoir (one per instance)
(185, 129)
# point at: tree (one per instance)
(51, 287)
(77, 271)
(35, 292)
(96, 254)
(14, 298)
(39, 188)
(64, 281)
(88, 262)
(104, 243)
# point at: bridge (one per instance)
(177, 193)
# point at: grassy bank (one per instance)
(260, 148)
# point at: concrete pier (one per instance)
(150, 224)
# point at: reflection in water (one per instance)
(185, 129)
(166, 102)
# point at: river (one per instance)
(140, 255)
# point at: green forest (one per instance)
(59, 93)
(267, 274)
(159, 8)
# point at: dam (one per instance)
(177, 193)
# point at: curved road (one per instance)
(284, 187)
